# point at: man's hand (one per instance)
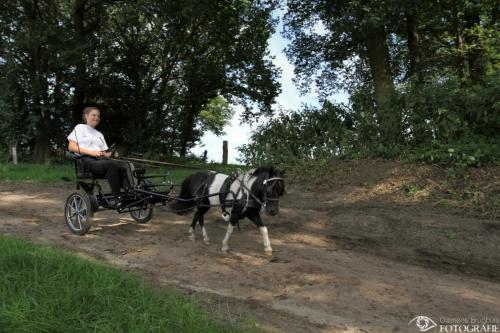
(103, 153)
(97, 153)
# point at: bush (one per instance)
(445, 122)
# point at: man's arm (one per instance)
(73, 147)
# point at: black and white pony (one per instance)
(238, 196)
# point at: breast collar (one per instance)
(248, 198)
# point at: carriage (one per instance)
(139, 197)
(243, 194)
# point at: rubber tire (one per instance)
(149, 207)
(147, 217)
(84, 200)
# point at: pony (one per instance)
(238, 196)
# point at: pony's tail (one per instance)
(187, 203)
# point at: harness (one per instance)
(225, 190)
(263, 202)
(248, 198)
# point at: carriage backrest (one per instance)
(79, 167)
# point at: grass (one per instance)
(40, 173)
(47, 290)
(51, 173)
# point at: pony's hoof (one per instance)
(225, 250)
(192, 237)
(206, 241)
(269, 252)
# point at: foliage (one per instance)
(311, 133)
(215, 115)
(422, 77)
(446, 123)
(151, 66)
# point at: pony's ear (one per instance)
(281, 173)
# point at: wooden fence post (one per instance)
(224, 152)
(14, 154)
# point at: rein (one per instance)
(140, 160)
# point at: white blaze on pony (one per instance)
(239, 196)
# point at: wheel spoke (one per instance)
(75, 204)
(72, 210)
(79, 221)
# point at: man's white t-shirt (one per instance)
(87, 137)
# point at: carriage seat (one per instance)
(132, 174)
(80, 169)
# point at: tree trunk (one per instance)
(41, 149)
(80, 64)
(462, 64)
(187, 130)
(38, 82)
(414, 69)
(378, 59)
(475, 55)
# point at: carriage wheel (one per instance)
(143, 214)
(78, 213)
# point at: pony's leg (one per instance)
(225, 242)
(201, 212)
(235, 213)
(255, 217)
(192, 236)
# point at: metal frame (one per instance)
(141, 197)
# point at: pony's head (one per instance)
(270, 187)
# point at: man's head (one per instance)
(91, 116)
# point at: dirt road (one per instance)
(342, 262)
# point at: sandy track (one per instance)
(339, 265)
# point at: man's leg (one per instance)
(108, 168)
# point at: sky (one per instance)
(290, 98)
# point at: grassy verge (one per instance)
(42, 173)
(48, 290)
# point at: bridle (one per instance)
(265, 198)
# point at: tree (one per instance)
(375, 52)
(151, 66)
(355, 33)
(33, 35)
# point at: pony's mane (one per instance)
(264, 169)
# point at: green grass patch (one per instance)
(39, 173)
(50, 173)
(42, 173)
(49, 290)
